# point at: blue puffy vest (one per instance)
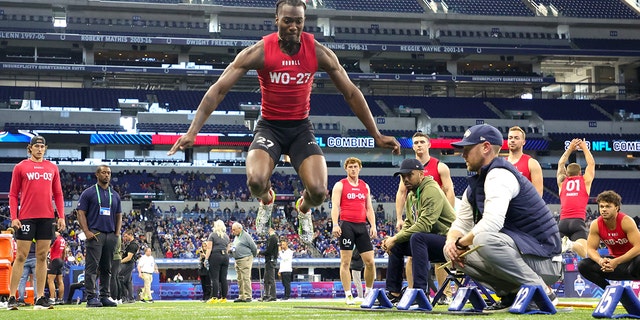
(528, 220)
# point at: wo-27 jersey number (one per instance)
(286, 78)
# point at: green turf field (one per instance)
(292, 309)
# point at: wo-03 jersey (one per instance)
(35, 184)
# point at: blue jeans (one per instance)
(29, 268)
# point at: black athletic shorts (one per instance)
(292, 137)
(39, 229)
(55, 266)
(355, 234)
(573, 228)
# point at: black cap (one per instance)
(38, 139)
(409, 165)
(479, 134)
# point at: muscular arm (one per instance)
(371, 216)
(593, 242)
(536, 175)
(561, 174)
(401, 198)
(590, 170)
(249, 58)
(336, 197)
(447, 183)
(328, 61)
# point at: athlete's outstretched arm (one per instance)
(250, 58)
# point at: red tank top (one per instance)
(573, 198)
(431, 170)
(57, 249)
(523, 165)
(353, 203)
(285, 81)
(616, 240)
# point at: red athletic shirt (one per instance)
(616, 240)
(57, 248)
(431, 170)
(573, 198)
(285, 81)
(523, 165)
(35, 184)
(353, 204)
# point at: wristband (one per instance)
(459, 246)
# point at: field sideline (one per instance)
(292, 309)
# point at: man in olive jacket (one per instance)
(429, 216)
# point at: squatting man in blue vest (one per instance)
(502, 213)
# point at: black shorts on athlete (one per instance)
(573, 228)
(39, 229)
(291, 137)
(55, 266)
(355, 234)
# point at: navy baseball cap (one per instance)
(479, 134)
(409, 165)
(38, 139)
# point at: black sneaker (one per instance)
(21, 303)
(42, 303)
(59, 302)
(393, 299)
(12, 304)
(94, 303)
(107, 302)
(502, 306)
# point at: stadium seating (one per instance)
(553, 109)
(375, 5)
(488, 7)
(599, 9)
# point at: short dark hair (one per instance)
(294, 3)
(610, 196)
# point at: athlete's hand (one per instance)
(186, 141)
(337, 231)
(61, 224)
(389, 143)
(373, 232)
(399, 225)
(16, 224)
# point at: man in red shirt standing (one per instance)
(286, 62)
(574, 190)
(350, 210)
(621, 236)
(440, 172)
(54, 271)
(34, 182)
(528, 166)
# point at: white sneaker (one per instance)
(305, 223)
(359, 299)
(349, 300)
(263, 218)
(567, 244)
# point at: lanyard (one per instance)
(415, 207)
(100, 200)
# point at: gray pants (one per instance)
(500, 266)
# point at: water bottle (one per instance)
(299, 291)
